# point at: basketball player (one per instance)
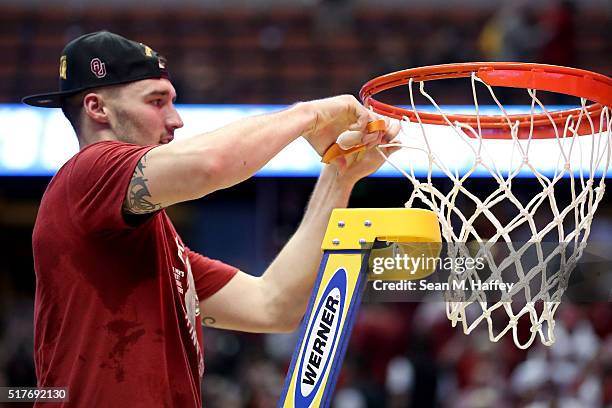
(120, 298)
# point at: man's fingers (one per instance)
(349, 138)
(358, 132)
(390, 150)
(375, 140)
(360, 124)
(393, 130)
(364, 117)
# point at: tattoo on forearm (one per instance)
(208, 320)
(138, 198)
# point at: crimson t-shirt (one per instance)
(117, 316)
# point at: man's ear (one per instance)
(95, 107)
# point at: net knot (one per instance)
(525, 159)
(477, 160)
(589, 183)
(567, 166)
(558, 220)
(536, 327)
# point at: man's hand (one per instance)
(354, 167)
(340, 118)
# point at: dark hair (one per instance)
(72, 107)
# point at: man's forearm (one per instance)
(291, 276)
(192, 168)
(239, 150)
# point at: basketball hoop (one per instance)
(569, 81)
(580, 139)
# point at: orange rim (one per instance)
(570, 81)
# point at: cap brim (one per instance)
(47, 100)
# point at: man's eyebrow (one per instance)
(159, 93)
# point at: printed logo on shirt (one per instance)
(191, 304)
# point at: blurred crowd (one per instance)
(309, 49)
(406, 355)
(400, 355)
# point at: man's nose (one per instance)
(174, 120)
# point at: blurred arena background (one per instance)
(280, 52)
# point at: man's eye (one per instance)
(157, 102)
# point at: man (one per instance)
(119, 295)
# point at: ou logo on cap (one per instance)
(98, 68)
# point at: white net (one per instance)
(553, 205)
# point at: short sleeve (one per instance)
(98, 182)
(209, 275)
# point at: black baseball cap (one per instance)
(100, 59)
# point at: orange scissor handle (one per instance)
(335, 150)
